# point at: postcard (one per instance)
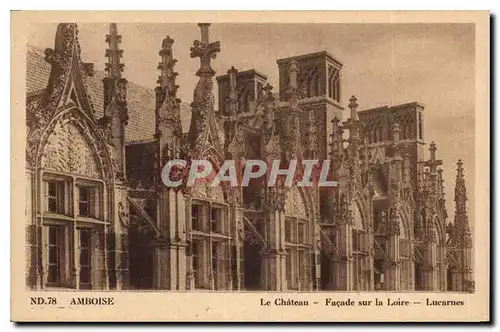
(250, 166)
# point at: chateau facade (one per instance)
(99, 217)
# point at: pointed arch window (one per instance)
(334, 83)
(420, 126)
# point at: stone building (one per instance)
(99, 216)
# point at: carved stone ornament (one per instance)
(294, 204)
(47, 112)
(241, 230)
(62, 143)
(236, 148)
(276, 198)
(123, 215)
(394, 222)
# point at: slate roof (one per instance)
(140, 100)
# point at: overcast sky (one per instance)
(383, 65)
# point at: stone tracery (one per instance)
(383, 223)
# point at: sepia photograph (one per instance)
(276, 160)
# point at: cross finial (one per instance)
(205, 51)
(433, 162)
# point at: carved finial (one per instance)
(205, 50)
(167, 103)
(432, 163)
(460, 170)
(66, 40)
(166, 80)
(336, 138)
(167, 43)
(268, 111)
(461, 235)
(292, 72)
(460, 190)
(352, 102)
(267, 88)
(114, 85)
(66, 46)
(353, 106)
(113, 66)
(232, 110)
(432, 150)
(232, 83)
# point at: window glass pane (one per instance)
(84, 275)
(55, 196)
(214, 258)
(83, 208)
(53, 274)
(84, 238)
(300, 264)
(195, 210)
(53, 255)
(289, 268)
(302, 236)
(84, 257)
(52, 204)
(288, 231)
(195, 262)
(84, 201)
(51, 189)
(84, 194)
(53, 235)
(84, 250)
(214, 220)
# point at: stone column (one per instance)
(274, 258)
(342, 265)
(456, 279)
(462, 273)
(239, 228)
(169, 255)
(430, 269)
(392, 270)
(467, 271)
(118, 260)
(441, 274)
(411, 265)
(370, 281)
